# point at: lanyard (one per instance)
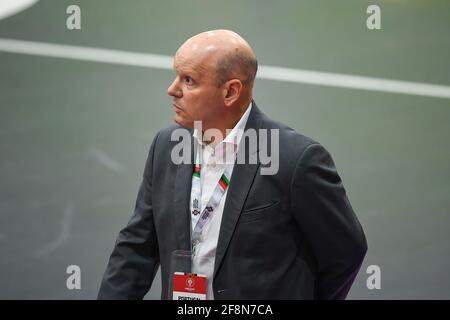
(212, 205)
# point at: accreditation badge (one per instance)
(189, 286)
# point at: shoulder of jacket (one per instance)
(289, 138)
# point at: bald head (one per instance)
(215, 71)
(226, 52)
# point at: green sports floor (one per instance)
(74, 134)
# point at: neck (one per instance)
(226, 124)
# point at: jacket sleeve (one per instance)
(135, 258)
(327, 220)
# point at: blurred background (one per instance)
(74, 134)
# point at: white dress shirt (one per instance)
(215, 159)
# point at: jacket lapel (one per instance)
(183, 181)
(240, 183)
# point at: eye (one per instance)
(188, 80)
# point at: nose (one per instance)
(174, 90)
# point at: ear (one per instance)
(232, 92)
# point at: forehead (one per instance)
(193, 61)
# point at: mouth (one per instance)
(176, 107)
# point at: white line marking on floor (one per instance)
(354, 82)
(265, 72)
(86, 54)
(66, 222)
(12, 7)
(105, 160)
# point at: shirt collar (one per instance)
(235, 135)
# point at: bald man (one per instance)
(289, 233)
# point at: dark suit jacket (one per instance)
(292, 235)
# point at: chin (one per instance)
(183, 122)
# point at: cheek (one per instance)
(211, 97)
(201, 103)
